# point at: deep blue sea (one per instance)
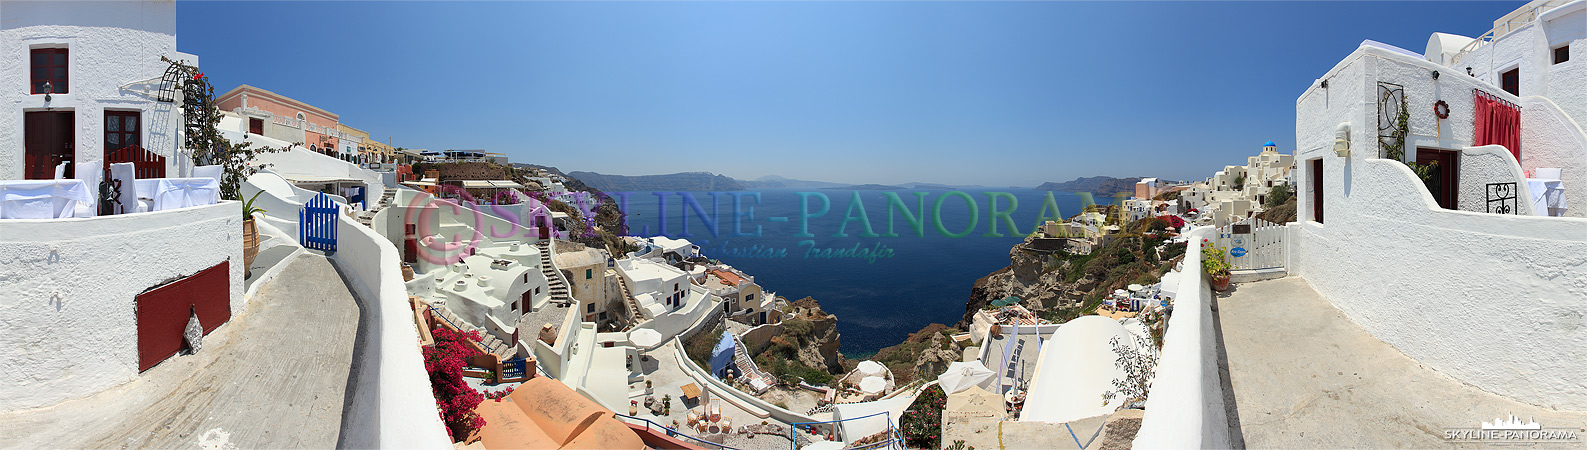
(913, 281)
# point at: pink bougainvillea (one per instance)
(455, 400)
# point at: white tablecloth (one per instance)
(42, 199)
(173, 193)
(1546, 193)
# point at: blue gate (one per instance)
(317, 223)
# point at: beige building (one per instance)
(591, 283)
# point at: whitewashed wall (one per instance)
(68, 289)
(391, 405)
(1468, 294)
(1480, 166)
(1549, 138)
(110, 44)
(1185, 408)
(1530, 49)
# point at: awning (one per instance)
(490, 184)
(299, 178)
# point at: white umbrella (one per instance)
(644, 337)
(869, 368)
(873, 385)
(1136, 288)
(962, 375)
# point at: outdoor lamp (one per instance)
(1342, 139)
(48, 89)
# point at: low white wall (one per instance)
(299, 160)
(1487, 299)
(1185, 408)
(678, 322)
(392, 405)
(1480, 166)
(68, 290)
(738, 397)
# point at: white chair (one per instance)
(214, 171)
(1548, 173)
(60, 170)
(127, 174)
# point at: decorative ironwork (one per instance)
(169, 83)
(1498, 194)
(110, 197)
(1391, 97)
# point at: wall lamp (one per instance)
(1435, 74)
(1324, 84)
(1342, 139)
(48, 89)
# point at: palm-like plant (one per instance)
(248, 209)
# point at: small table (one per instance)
(42, 199)
(691, 391)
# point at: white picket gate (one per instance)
(1254, 245)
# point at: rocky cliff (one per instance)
(815, 335)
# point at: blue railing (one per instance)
(897, 437)
(674, 433)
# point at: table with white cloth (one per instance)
(1546, 194)
(174, 193)
(42, 199)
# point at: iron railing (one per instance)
(674, 432)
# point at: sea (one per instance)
(882, 284)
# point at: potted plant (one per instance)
(250, 233)
(666, 405)
(633, 407)
(648, 389)
(1214, 263)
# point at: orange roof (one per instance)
(545, 414)
(732, 279)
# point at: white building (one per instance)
(71, 288)
(1454, 271)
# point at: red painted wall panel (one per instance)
(163, 312)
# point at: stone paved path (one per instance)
(273, 377)
(1306, 376)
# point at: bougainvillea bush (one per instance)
(456, 401)
(922, 422)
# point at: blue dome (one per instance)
(1269, 144)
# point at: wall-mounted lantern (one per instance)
(48, 89)
(1342, 139)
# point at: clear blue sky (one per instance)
(996, 94)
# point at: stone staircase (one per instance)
(633, 305)
(385, 200)
(558, 287)
(492, 344)
(747, 365)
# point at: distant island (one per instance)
(1099, 185)
(869, 187)
(686, 181)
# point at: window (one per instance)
(1511, 81)
(674, 286)
(589, 273)
(525, 274)
(49, 66)
(749, 298)
(1562, 54)
(256, 126)
(589, 308)
(122, 130)
(514, 306)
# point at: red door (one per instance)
(256, 126)
(1444, 182)
(50, 141)
(1317, 190)
(163, 312)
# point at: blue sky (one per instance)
(996, 94)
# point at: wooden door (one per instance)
(1317, 190)
(256, 126)
(1445, 182)
(50, 140)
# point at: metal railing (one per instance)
(896, 438)
(674, 432)
(1517, 19)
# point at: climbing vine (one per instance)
(1394, 148)
(202, 139)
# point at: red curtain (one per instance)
(1498, 123)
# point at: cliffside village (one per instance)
(371, 296)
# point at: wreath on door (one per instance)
(1441, 109)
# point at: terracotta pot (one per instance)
(250, 244)
(407, 272)
(1220, 283)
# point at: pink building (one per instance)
(280, 117)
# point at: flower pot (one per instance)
(407, 272)
(1220, 283)
(250, 244)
